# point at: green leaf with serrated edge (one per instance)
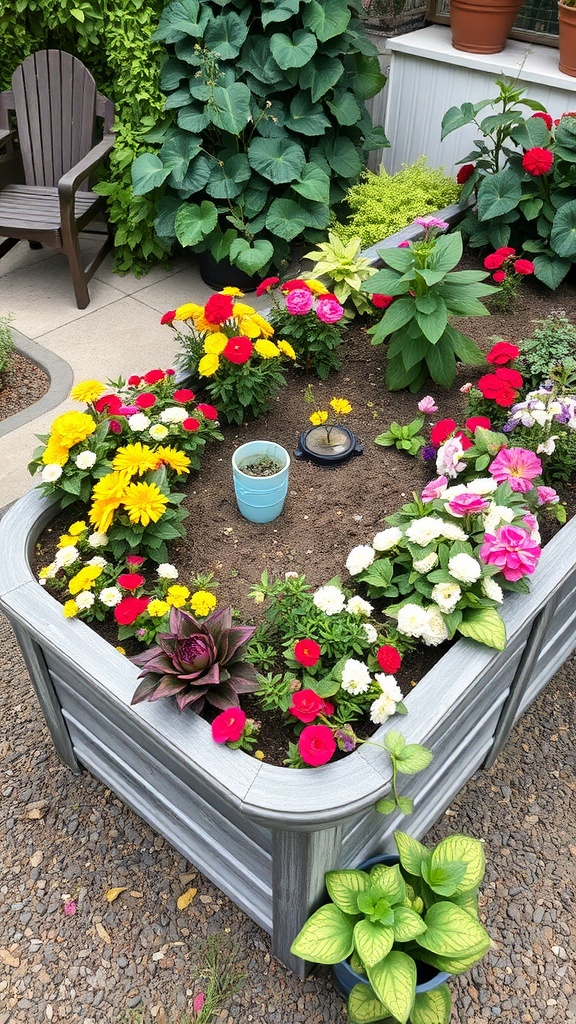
(411, 853)
(326, 938)
(373, 941)
(394, 742)
(454, 964)
(413, 759)
(433, 1007)
(485, 626)
(405, 804)
(344, 887)
(365, 1008)
(394, 982)
(386, 806)
(389, 882)
(443, 878)
(407, 924)
(466, 850)
(451, 931)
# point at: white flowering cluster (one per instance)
(357, 680)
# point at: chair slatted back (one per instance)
(55, 104)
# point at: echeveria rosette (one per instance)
(197, 662)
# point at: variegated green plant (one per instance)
(345, 269)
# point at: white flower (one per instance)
(355, 677)
(97, 560)
(426, 564)
(358, 606)
(329, 599)
(167, 571)
(387, 539)
(139, 421)
(84, 600)
(98, 540)
(483, 485)
(158, 431)
(435, 631)
(85, 460)
(453, 492)
(492, 590)
(174, 414)
(360, 558)
(381, 709)
(446, 596)
(547, 447)
(495, 515)
(66, 556)
(51, 473)
(464, 568)
(389, 686)
(424, 531)
(541, 416)
(110, 596)
(451, 531)
(371, 632)
(411, 620)
(448, 460)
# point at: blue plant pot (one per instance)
(346, 978)
(260, 498)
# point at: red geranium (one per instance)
(229, 725)
(183, 395)
(218, 309)
(238, 350)
(512, 377)
(499, 276)
(108, 403)
(145, 401)
(441, 431)
(266, 285)
(389, 659)
(129, 609)
(502, 352)
(382, 301)
(154, 376)
(464, 173)
(477, 421)
(307, 652)
(190, 424)
(545, 117)
(168, 317)
(130, 580)
(494, 261)
(208, 411)
(537, 161)
(316, 744)
(523, 266)
(134, 380)
(499, 390)
(307, 705)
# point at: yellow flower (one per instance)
(341, 406)
(230, 290)
(215, 343)
(177, 460)
(55, 453)
(47, 571)
(157, 608)
(107, 496)
(87, 391)
(144, 503)
(134, 458)
(317, 287)
(208, 365)
(177, 595)
(265, 328)
(266, 349)
(248, 326)
(85, 578)
(77, 528)
(189, 311)
(318, 418)
(241, 309)
(202, 324)
(286, 349)
(121, 650)
(202, 603)
(66, 539)
(70, 609)
(72, 427)
(259, 755)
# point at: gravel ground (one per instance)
(22, 384)
(136, 959)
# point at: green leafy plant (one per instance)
(310, 318)
(6, 342)
(404, 437)
(523, 176)
(425, 908)
(345, 269)
(427, 293)
(552, 344)
(266, 125)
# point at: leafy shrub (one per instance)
(6, 343)
(552, 344)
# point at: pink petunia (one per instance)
(547, 496)
(435, 489)
(467, 504)
(427, 405)
(512, 550)
(517, 466)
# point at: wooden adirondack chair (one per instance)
(55, 102)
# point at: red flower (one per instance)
(389, 659)
(134, 380)
(307, 652)
(506, 250)
(154, 376)
(190, 424)
(464, 440)
(145, 400)
(228, 725)
(477, 421)
(499, 390)
(316, 744)
(502, 352)
(135, 560)
(266, 285)
(494, 261)
(524, 266)
(382, 301)
(545, 117)
(183, 395)
(129, 609)
(464, 173)
(512, 377)
(289, 286)
(218, 309)
(170, 373)
(130, 580)
(168, 317)
(238, 350)
(307, 705)
(499, 276)
(115, 427)
(537, 161)
(208, 411)
(108, 403)
(441, 431)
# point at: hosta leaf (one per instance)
(394, 982)
(407, 924)
(411, 853)
(389, 882)
(326, 938)
(372, 941)
(344, 888)
(451, 931)
(485, 626)
(464, 850)
(364, 1007)
(433, 1007)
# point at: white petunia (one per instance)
(381, 709)
(98, 540)
(110, 596)
(411, 620)
(167, 571)
(84, 600)
(496, 515)
(356, 677)
(453, 492)
(371, 632)
(446, 596)
(449, 458)
(97, 560)
(329, 599)
(451, 531)
(483, 485)
(51, 473)
(424, 531)
(85, 460)
(66, 556)
(360, 558)
(389, 686)
(358, 606)
(464, 568)
(426, 564)
(158, 431)
(549, 446)
(492, 590)
(174, 414)
(435, 632)
(139, 421)
(387, 539)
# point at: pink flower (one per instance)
(427, 405)
(228, 725)
(307, 705)
(449, 459)
(328, 309)
(316, 744)
(404, 245)
(512, 550)
(70, 907)
(199, 1001)
(467, 504)
(466, 388)
(135, 560)
(547, 496)
(307, 652)
(431, 222)
(115, 427)
(299, 301)
(518, 466)
(435, 489)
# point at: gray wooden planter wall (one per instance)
(266, 835)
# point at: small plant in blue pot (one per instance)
(386, 922)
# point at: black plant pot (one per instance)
(223, 274)
(313, 446)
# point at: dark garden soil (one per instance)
(22, 384)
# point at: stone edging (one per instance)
(61, 380)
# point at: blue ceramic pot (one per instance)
(260, 498)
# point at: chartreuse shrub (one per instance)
(6, 342)
(423, 909)
(381, 204)
(266, 125)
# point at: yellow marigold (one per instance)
(202, 603)
(286, 349)
(215, 344)
(208, 365)
(77, 528)
(87, 391)
(72, 427)
(266, 349)
(202, 324)
(177, 595)
(136, 458)
(230, 290)
(66, 540)
(55, 453)
(107, 496)
(341, 406)
(265, 328)
(248, 326)
(241, 309)
(157, 608)
(189, 311)
(318, 418)
(70, 609)
(173, 458)
(144, 503)
(317, 287)
(85, 578)
(102, 514)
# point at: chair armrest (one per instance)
(70, 181)
(6, 136)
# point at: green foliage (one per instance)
(316, 343)
(552, 344)
(6, 342)
(341, 263)
(265, 125)
(404, 437)
(381, 204)
(247, 391)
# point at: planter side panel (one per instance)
(559, 642)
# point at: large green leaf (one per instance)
(172, 73)
(383, 282)
(343, 157)
(225, 35)
(407, 924)
(320, 75)
(193, 118)
(314, 184)
(226, 178)
(306, 118)
(373, 941)
(345, 107)
(396, 316)
(257, 59)
(194, 222)
(563, 234)
(148, 172)
(447, 252)
(565, 140)
(433, 1007)
(441, 364)
(531, 132)
(251, 256)
(295, 51)
(398, 259)
(286, 219)
(176, 155)
(550, 271)
(279, 12)
(197, 174)
(326, 938)
(327, 19)
(464, 348)
(368, 79)
(451, 931)
(231, 110)
(167, 208)
(498, 193)
(411, 853)
(365, 1008)
(181, 19)
(278, 160)
(344, 888)
(458, 117)
(394, 982)
(443, 879)
(388, 879)
(465, 849)
(433, 323)
(484, 625)
(455, 964)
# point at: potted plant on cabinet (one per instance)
(567, 32)
(482, 26)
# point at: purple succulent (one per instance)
(197, 662)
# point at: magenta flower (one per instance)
(431, 222)
(299, 301)
(518, 466)
(328, 309)
(547, 496)
(427, 405)
(467, 504)
(435, 489)
(404, 245)
(512, 550)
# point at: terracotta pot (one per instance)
(567, 29)
(482, 26)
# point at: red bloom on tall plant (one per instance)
(307, 652)
(238, 350)
(537, 161)
(465, 172)
(218, 309)
(545, 117)
(523, 266)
